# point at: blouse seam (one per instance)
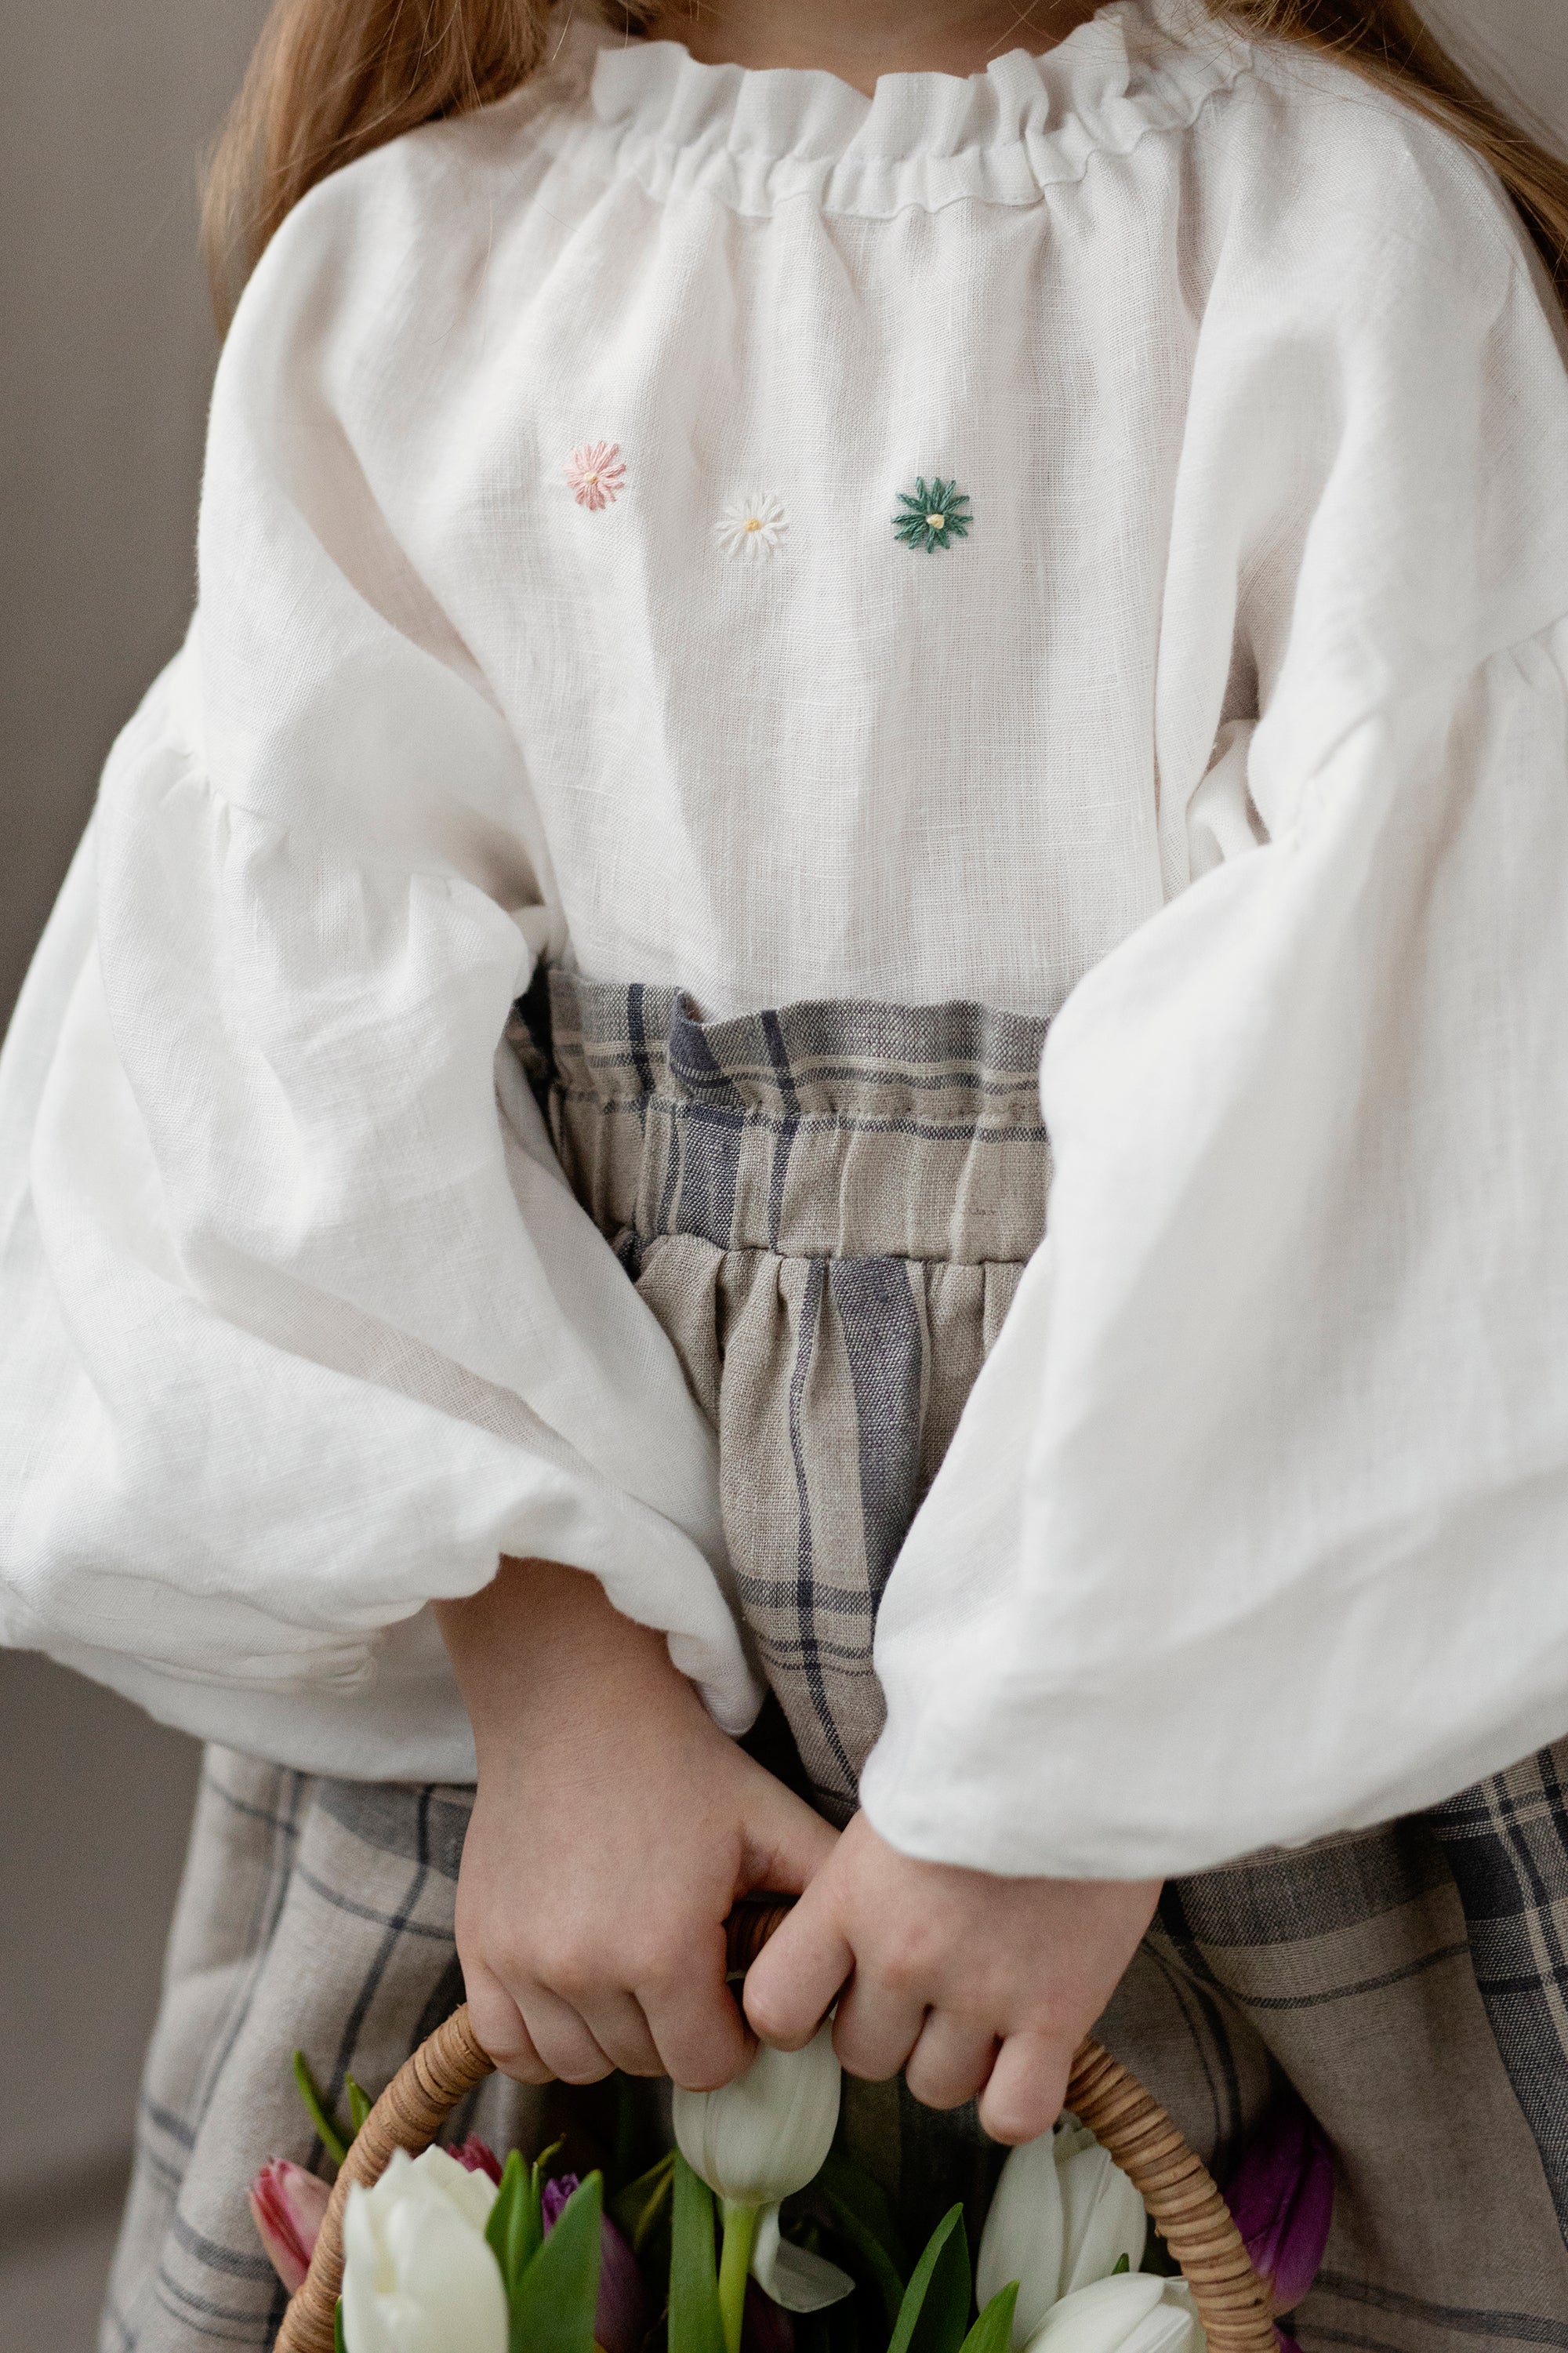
(368, 860)
(1433, 678)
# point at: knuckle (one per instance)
(573, 1967)
(661, 1959)
(903, 1963)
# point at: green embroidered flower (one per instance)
(934, 516)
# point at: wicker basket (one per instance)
(1174, 2185)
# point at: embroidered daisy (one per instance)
(933, 516)
(596, 474)
(753, 527)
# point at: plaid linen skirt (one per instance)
(830, 1209)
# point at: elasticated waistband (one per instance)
(823, 1130)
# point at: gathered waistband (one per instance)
(822, 1130)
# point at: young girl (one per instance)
(761, 557)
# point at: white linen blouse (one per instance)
(1234, 736)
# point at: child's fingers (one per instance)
(695, 2021)
(786, 1843)
(875, 2030)
(498, 2025)
(561, 2038)
(618, 2025)
(791, 1988)
(952, 2060)
(1027, 2088)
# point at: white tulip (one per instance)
(418, 2276)
(1102, 2214)
(792, 2275)
(764, 2136)
(1063, 2216)
(1023, 2236)
(1136, 2313)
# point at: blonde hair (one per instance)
(332, 78)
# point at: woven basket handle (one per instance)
(1174, 2185)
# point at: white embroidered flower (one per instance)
(753, 527)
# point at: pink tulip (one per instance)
(622, 2319)
(1282, 2197)
(477, 2156)
(288, 2204)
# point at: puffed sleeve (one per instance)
(305, 1326)
(1255, 1526)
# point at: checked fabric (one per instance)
(830, 1209)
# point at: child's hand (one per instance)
(614, 1828)
(970, 1984)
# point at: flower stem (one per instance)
(734, 2268)
(327, 2131)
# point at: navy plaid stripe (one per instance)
(1507, 1845)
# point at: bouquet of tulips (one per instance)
(723, 2243)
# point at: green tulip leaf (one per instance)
(851, 2189)
(993, 2332)
(339, 2342)
(636, 2209)
(1122, 2264)
(934, 2315)
(553, 2309)
(515, 2230)
(360, 2105)
(696, 2324)
(328, 2132)
(863, 2238)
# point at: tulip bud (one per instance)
(418, 2276)
(286, 2204)
(767, 2133)
(1064, 2216)
(1136, 2313)
(1282, 2198)
(1023, 2237)
(621, 2318)
(477, 2156)
(1103, 2217)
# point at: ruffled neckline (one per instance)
(758, 138)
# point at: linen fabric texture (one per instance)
(828, 1208)
(1233, 741)
(1408, 1980)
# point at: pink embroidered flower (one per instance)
(596, 474)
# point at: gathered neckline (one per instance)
(754, 137)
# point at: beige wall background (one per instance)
(106, 352)
(106, 349)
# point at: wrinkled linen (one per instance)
(1234, 739)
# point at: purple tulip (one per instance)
(622, 2319)
(1282, 2196)
(766, 2326)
